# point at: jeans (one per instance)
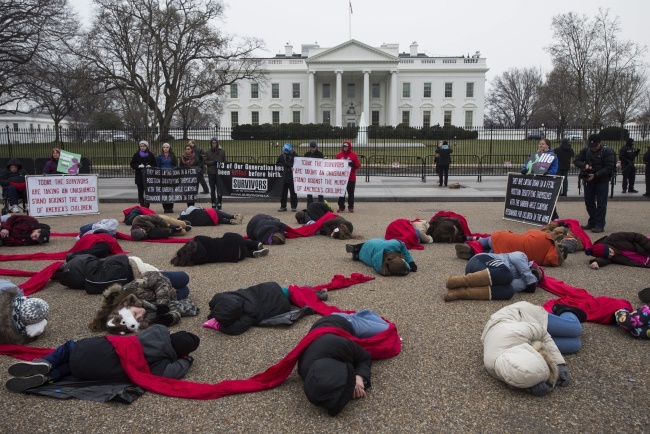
(215, 197)
(500, 275)
(13, 195)
(596, 203)
(486, 243)
(365, 323)
(59, 360)
(350, 189)
(565, 331)
(179, 280)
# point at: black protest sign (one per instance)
(539, 162)
(531, 199)
(249, 180)
(171, 185)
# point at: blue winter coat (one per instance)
(372, 252)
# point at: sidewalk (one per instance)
(390, 189)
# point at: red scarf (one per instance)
(403, 230)
(121, 236)
(83, 243)
(309, 230)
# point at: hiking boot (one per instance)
(27, 369)
(597, 230)
(260, 253)
(20, 384)
(631, 190)
(463, 251)
(559, 309)
(219, 206)
(214, 205)
(586, 227)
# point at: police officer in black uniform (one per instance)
(627, 155)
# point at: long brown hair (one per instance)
(394, 264)
(183, 257)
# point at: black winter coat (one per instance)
(286, 160)
(564, 155)
(7, 176)
(629, 241)
(444, 156)
(315, 154)
(95, 358)
(603, 162)
(93, 274)
(262, 226)
(198, 217)
(237, 311)
(314, 211)
(137, 160)
(230, 247)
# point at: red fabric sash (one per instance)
(403, 230)
(213, 215)
(143, 210)
(83, 243)
(121, 236)
(309, 230)
(38, 278)
(598, 309)
(463, 222)
(574, 225)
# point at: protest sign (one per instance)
(319, 176)
(68, 163)
(539, 162)
(55, 195)
(531, 199)
(249, 180)
(171, 185)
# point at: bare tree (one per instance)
(514, 96)
(625, 101)
(557, 106)
(27, 28)
(147, 48)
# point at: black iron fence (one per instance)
(386, 151)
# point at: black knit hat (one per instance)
(184, 343)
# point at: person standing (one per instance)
(564, 155)
(314, 153)
(200, 159)
(213, 156)
(286, 160)
(444, 160)
(598, 163)
(627, 155)
(167, 160)
(142, 159)
(530, 168)
(190, 159)
(353, 161)
(646, 160)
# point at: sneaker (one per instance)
(260, 246)
(644, 295)
(283, 209)
(27, 369)
(15, 209)
(239, 218)
(559, 309)
(340, 210)
(260, 253)
(350, 209)
(586, 227)
(219, 206)
(646, 194)
(214, 205)
(20, 384)
(463, 251)
(623, 192)
(537, 272)
(597, 230)
(322, 294)
(234, 222)
(293, 209)
(188, 228)
(631, 190)
(349, 248)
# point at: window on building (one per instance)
(427, 90)
(15, 127)
(351, 90)
(375, 118)
(449, 90)
(469, 90)
(38, 127)
(255, 118)
(234, 119)
(233, 91)
(447, 118)
(327, 93)
(326, 117)
(275, 90)
(296, 117)
(406, 90)
(31, 127)
(255, 90)
(375, 92)
(469, 119)
(426, 119)
(275, 118)
(406, 117)
(296, 90)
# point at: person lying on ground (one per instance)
(266, 229)
(22, 230)
(22, 319)
(157, 227)
(231, 247)
(198, 216)
(623, 248)
(386, 257)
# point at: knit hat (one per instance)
(313, 144)
(143, 142)
(629, 142)
(45, 234)
(600, 250)
(184, 343)
(31, 310)
(138, 234)
(287, 148)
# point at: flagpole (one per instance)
(350, 20)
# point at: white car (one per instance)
(573, 135)
(120, 136)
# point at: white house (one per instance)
(27, 128)
(336, 85)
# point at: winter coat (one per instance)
(627, 154)
(628, 241)
(508, 339)
(602, 161)
(20, 228)
(167, 162)
(95, 358)
(315, 154)
(137, 160)
(231, 247)
(262, 226)
(17, 177)
(354, 158)
(198, 217)
(213, 155)
(286, 160)
(564, 155)
(155, 290)
(314, 211)
(517, 263)
(50, 167)
(372, 252)
(158, 226)
(237, 311)
(537, 245)
(444, 155)
(324, 359)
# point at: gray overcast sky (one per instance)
(509, 33)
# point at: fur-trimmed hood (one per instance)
(111, 317)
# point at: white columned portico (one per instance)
(366, 94)
(338, 112)
(311, 100)
(392, 109)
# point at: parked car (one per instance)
(120, 136)
(573, 135)
(535, 135)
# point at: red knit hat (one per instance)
(600, 250)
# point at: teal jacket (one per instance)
(372, 252)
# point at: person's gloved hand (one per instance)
(539, 389)
(175, 228)
(162, 309)
(524, 171)
(413, 267)
(165, 319)
(189, 359)
(141, 166)
(530, 288)
(351, 163)
(564, 377)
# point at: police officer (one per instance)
(598, 163)
(627, 154)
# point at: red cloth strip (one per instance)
(309, 230)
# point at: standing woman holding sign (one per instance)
(544, 148)
(167, 160)
(52, 164)
(190, 159)
(141, 159)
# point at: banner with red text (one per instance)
(56, 195)
(319, 176)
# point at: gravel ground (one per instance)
(438, 382)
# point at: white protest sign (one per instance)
(56, 195)
(319, 176)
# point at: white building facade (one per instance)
(336, 85)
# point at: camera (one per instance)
(584, 174)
